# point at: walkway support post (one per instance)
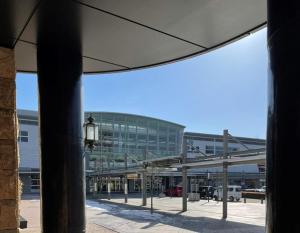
(283, 133)
(225, 173)
(184, 176)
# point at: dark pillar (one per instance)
(283, 135)
(62, 173)
(59, 63)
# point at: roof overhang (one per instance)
(257, 159)
(132, 34)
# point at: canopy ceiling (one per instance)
(122, 35)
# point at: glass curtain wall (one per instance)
(136, 137)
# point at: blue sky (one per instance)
(226, 88)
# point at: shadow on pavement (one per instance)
(196, 224)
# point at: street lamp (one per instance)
(91, 133)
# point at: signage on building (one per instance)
(132, 176)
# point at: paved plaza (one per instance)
(202, 216)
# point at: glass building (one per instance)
(132, 138)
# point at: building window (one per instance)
(232, 149)
(209, 150)
(23, 136)
(35, 182)
(219, 150)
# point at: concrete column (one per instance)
(225, 173)
(144, 189)
(283, 134)
(184, 177)
(9, 190)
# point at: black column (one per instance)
(59, 62)
(62, 173)
(283, 137)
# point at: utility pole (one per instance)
(184, 176)
(225, 173)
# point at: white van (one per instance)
(234, 193)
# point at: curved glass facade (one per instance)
(134, 137)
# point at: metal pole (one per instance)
(151, 188)
(208, 176)
(184, 176)
(172, 188)
(125, 180)
(95, 186)
(144, 189)
(225, 173)
(99, 178)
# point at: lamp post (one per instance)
(91, 133)
(91, 136)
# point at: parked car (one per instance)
(206, 191)
(234, 193)
(174, 191)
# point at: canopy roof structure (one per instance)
(124, 35)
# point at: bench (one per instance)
(254, 195)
